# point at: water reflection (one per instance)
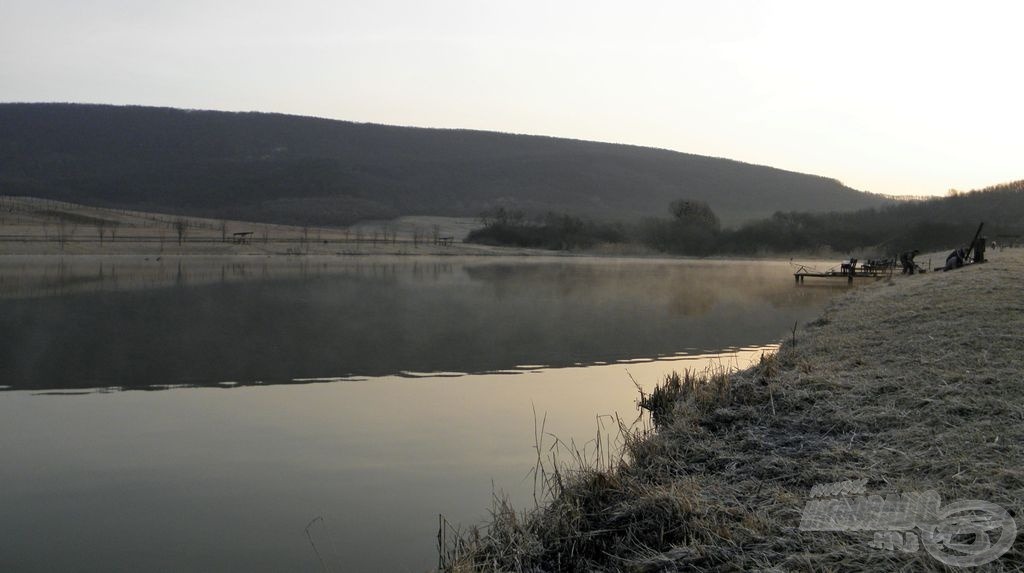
(201, 479)
(152, 324)
(375, 392)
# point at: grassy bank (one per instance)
(912, 384)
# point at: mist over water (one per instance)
(152, 323)
(428, 371)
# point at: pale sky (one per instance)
(891, 97)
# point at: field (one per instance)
(32, 226)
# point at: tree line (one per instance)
(693, 228)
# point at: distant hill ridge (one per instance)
(303, 170)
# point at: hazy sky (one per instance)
(892, 97)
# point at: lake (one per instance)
(262, 414)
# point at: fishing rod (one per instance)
(974, 241)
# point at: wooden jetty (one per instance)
(849, 270)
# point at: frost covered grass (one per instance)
(913, 384)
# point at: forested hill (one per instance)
(304, 170)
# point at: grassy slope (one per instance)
(914, 384)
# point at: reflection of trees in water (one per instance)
(693, 302)
(273, 321)
(432, 270)
(688, 288)
(90, 274)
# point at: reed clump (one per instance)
(691, 394)
(912, 385)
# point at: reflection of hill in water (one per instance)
(277, 321)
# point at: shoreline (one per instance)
(32, 226)
(913, 384)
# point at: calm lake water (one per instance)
(199, 413)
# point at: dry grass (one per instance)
(687, 396)
(33, 226)
(913, 384)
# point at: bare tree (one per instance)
(61, 232)
(181, 228)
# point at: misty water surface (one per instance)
(374, 392)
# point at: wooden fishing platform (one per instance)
(849, 270)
